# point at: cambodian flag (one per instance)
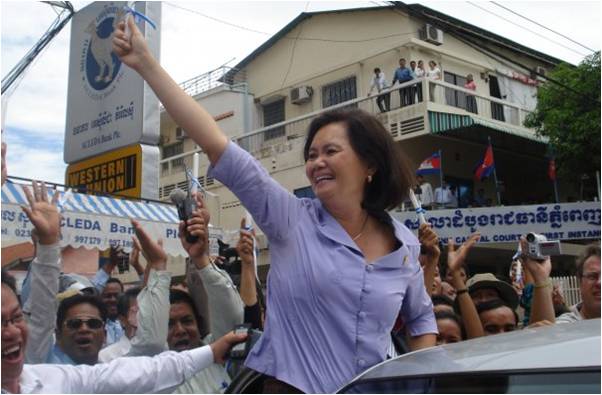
(486, 167)
(431, 165)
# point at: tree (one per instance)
(570, 118)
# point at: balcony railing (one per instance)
(431, 95)
(212, 79)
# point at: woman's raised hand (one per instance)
(131, 49)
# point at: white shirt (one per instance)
(419, 72)
(572, 316)
(434, 74)
(161, 373)
(379, 82)
(426, 194)
(443, 196)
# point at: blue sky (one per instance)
(34, 125)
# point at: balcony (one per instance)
(442, 108)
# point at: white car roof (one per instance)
(572, 345)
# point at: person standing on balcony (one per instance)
(434, 73)
(417, 71)
(402, 74)
(379, 82)
(443, 195)
(471, 101)
(342, 267)
(426, 192)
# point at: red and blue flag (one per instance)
(486, 167)
(431, 165)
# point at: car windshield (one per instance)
(584, 381)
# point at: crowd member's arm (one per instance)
(417, 314)
(134, 261)
(542, 307)
(40, 308)
(104, 273)
(162, 373)
(153, 301)
(429, 255)
(248, 285)
(225, 305)
(468, 311)
(186, 112)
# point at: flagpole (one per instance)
(497, 189)
(556, 191)
(440, 175)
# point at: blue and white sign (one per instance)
(108, 105)
(97, 222)
(565, 221)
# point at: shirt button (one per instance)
(369, 267)
(361, 362)
(366, 289)
(362, 314)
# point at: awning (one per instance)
(96, 222)
(442, 122)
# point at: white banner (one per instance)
(97, 231)
(565, 221)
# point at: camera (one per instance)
(539, 247)
(240, 350)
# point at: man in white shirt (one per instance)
(380, 83)
(426, 192)
(161, 373)
(443, 196)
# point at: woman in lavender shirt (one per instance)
(342, 268)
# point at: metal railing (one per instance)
(212, 79)
(569, 287)
(435, 95)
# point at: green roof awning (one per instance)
(441, 122)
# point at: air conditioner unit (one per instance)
(431, 34)
(181, 134)
(301, 94)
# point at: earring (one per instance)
(369, 179)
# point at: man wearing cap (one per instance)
(485, 287)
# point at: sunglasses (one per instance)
(76, 323)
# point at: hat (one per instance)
(488, 280)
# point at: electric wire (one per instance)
(540, 25)
(527, 29)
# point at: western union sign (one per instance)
(117, 172)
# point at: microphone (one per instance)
(185, 205)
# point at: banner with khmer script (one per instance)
(564, 221)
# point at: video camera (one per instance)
(539, 247)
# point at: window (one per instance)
(173, 150)
(452, 96)
(273, 113)
(339, 92)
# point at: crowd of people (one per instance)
(348, 287)
(412, 94)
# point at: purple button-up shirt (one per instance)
(329, 312)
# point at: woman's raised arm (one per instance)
(186, 112)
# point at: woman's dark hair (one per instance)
(447, 315)
(76, 299)
(125, 300)
(374, 145)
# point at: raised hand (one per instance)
(131, 50)
(456, 258)
(197, 226)
(44, 215)
(153, 251)
(245, 245)
(429, 245)
(540, 270)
